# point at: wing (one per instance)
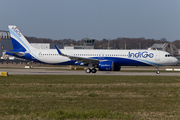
(79, 59)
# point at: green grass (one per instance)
(89, 97)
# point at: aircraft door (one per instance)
(71, 53)
(157, 56)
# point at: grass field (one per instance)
(89, 97)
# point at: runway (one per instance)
(44, 71)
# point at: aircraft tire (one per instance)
(94, 70)
(88, 70)
(158, 72)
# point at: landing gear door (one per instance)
(157, 57)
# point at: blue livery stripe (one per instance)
(19, 40)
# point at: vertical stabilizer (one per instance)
(19, 42)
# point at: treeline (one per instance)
(119, 43)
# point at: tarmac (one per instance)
(55, 71)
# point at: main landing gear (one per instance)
(93, 70)
(158, 72)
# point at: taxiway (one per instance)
(42, 71)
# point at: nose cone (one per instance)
(175, 61)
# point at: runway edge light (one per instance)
(4, 74)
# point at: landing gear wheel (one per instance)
(88, 70)
(158, 72)
(94, 70)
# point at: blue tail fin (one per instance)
(19, 42)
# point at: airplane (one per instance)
(104, 60)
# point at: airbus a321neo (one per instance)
(104, 60)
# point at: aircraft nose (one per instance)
(176, 61)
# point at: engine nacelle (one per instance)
(106, 66)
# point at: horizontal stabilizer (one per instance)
(16, 53)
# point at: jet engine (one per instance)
(108, 66)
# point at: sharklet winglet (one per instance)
(59, 51)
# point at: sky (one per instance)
(94, 19)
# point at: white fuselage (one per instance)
(151, 57)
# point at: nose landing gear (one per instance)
(158, 72)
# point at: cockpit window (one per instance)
(168, 55)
